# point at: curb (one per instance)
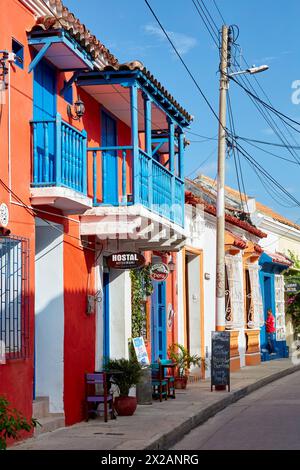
(167, 440)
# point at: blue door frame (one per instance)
(158, 322)
(109, 160)
(106, 319)
(267, 281)
(44, 109)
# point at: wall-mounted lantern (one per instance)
(79, 110)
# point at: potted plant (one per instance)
(129, 372)
(181, 356)
(12, 423)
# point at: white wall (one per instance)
(99, 311)
(202, 236)
(180, 298)
(194, 303)
(120, 313)
(49, 315)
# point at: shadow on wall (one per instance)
(65, 351)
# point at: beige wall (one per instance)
(285, 244)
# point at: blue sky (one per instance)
(269, 33)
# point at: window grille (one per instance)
(236, 294)
(255, 311)
(279, 308)
(14, 297)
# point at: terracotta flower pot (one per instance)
(181, 382)
(125, 406)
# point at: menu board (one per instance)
(140, 351)
(220, 359)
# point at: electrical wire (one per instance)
(202, 163)
(231, 127)
(182, 61)
(219, 11)
(35, 213)
(201, 12)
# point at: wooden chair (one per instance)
(169, 374)
(96, 392)
(159, 383)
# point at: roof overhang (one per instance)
(60, 50)
(274, 261)
(127, 78)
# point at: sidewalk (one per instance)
(160, 425)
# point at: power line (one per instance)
(35, 213)
(203, 163)
(219, 11)
(209, 29)
(247, 139)
(182, 61)
(231, 126)
(267, 174)
(271, 153)
(266, 105)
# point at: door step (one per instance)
(40, 407)
(49, 424)
(48, 421)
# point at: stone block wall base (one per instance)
(253, 359)
(235, 364)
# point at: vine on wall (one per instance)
(141, 288)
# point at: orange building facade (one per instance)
(91, 164)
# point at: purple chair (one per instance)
(96, 392)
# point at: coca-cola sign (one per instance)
(159, 272)
(125, 260)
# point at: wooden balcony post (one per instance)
(181, 154)
(84, 162)
(135, 142)
(35, 155)
(148, 146)
(172, 163)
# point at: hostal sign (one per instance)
(125, 260)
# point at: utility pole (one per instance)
(220, 251)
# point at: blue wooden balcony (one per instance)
(143, 181)
(149, 170)
(59, 161)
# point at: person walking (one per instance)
(270, 328)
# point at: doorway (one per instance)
(158, 322)
(49, 315)
(194, 304)
(267, 302)
(110, 159)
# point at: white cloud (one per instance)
(183, 42)
(268, 131)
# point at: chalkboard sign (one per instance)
(220, 359)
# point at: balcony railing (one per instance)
(59, 155)
(146, 182)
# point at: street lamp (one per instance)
(252, 70)
(220, 212)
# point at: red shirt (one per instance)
(270, 324)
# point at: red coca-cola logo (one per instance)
(159, 272)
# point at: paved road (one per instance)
(266, 419)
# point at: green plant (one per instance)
(12, 422)
(181, 356)
(131, 373)
(141, 287)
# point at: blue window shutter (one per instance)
(18, 49)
